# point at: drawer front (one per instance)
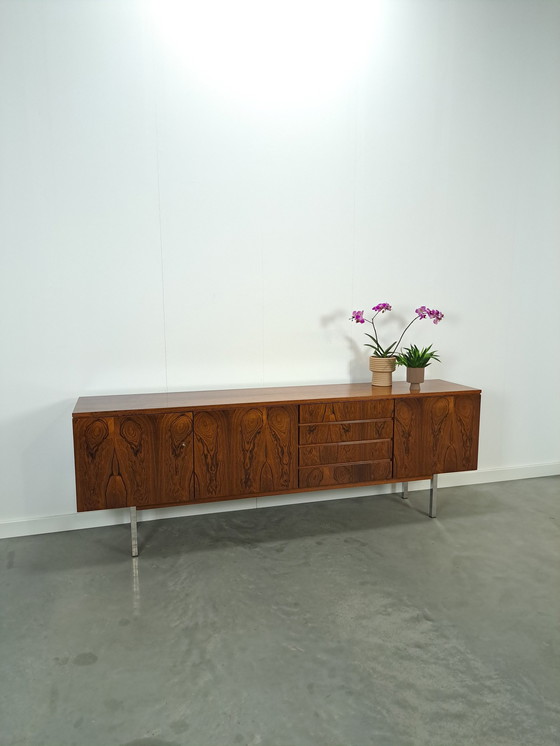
(341, 411)
(344, 453)
(345, 432)
(341, 474)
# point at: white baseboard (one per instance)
(499, 474)
(97, 518)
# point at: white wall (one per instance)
(174, 221)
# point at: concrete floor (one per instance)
(338, 623)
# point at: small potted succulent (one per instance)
(383, 360)
(416, 361)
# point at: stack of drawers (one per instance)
(345, 443)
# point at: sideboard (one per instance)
(155, 450)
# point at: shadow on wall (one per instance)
(358, 366)
(47, 460)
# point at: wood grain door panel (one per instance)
(175, 449)
(282, 446)
(408, 454)
(135, 454)
(212, 459)
(436, 435)
(245, 451)
(450, 433)
(264, 449)
(134, 460)
(98, 484)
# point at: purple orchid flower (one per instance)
(427, 313)
(422, 312)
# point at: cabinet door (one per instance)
(112, 456)
(245, 451)
(212, 461)
(436, 435)
(264, 449)
(136, 456)
(133, 460)
(155, 454)
(99, 484)
(175, 458)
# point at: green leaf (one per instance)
(375, 346)
(414, 357)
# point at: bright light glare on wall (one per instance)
(268, 53)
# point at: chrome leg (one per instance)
(433, 497)
(135, 587)
(134, 532)
(404, 491)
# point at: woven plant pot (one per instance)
(382, 370)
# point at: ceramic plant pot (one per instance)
(415, 375)
(382, 370)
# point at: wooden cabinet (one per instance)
(170, 449)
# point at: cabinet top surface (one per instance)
(181, 400)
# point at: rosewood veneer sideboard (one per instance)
(157, 450)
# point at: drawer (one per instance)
(344, 453)
(341, 474)
(370, 409)
(344, 432)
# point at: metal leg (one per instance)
(134, 532)
(433, 497)
(135, 587)
(404, 491)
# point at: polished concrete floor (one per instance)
(340, 623)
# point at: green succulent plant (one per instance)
(414, 357)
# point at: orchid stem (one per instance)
(402, 335)
(375, 330)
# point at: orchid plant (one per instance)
(378, 350)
